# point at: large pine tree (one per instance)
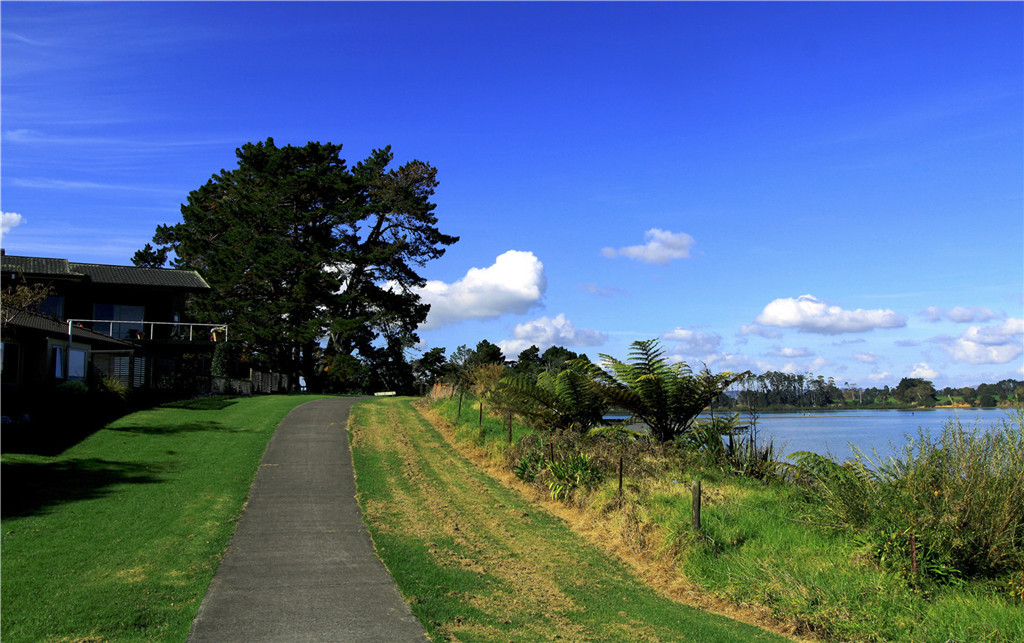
(297, 247)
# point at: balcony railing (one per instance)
(150, 330)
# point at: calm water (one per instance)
(831, 433)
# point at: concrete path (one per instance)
(301, 565)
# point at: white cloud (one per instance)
(662, 246)
(811, 315)
(924, 371)
(10, 220)
(754, 329)
(545, 332)
(959, 314)
(692, 342)
(878, 377)
(992, 345)
(867, 358)
(515, 283)
(780, 351)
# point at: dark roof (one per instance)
(38, 266)
(51, 326)
(103, 274)
(106, 274)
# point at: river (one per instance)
(832, 432)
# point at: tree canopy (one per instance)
(297, 248)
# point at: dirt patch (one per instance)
(658, 572)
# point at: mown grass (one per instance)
(762, 543)
(117, 538)
(479, 562)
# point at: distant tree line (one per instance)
(775, 390)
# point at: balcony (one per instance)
(152, 332)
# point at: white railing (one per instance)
(176, 331)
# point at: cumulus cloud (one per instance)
(810, 315)
(10, 220)
(662, 246)
(878, 377)
(545, 332)
(989, 345)
(924, 371)
(515, 283)
(959, 314)
(693, 342)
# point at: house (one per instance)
(102, 321)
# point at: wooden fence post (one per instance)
(620, 476)
(458, 416)
(510, 427)
(695, 492)
(480, 422)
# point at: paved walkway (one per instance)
(301, 565)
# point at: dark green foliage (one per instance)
(914, 390)
(431, 367)
(567, 400)
(578, 471)
(296, 247)
(666, 397)
(485, 353)
(150, 257)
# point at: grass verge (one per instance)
(758, 547)
(117, 538)
(479, 562)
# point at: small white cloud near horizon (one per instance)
(866, 358)
(662, 247)
(960, 315)
(923, 371)
(513, 284)
(809, 314)
(692, 342)
(10, 220)
(545, 332)
(877, 377)
(791, 352)
(754, 329)
(991, 345)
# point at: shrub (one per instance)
(953, 502)
(575, 472)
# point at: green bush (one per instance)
(950, 503)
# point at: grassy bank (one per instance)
(479, 562)
(117, 538)
(766, 542)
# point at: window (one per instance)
(71, 364)
(52, 306)
(125, 321)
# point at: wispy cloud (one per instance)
(58, 184)
(692, 342)
(33, 137)
(662, 247)
(959, 314)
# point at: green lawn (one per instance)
(479, 562)
(118, 537)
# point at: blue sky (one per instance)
(832, 188)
